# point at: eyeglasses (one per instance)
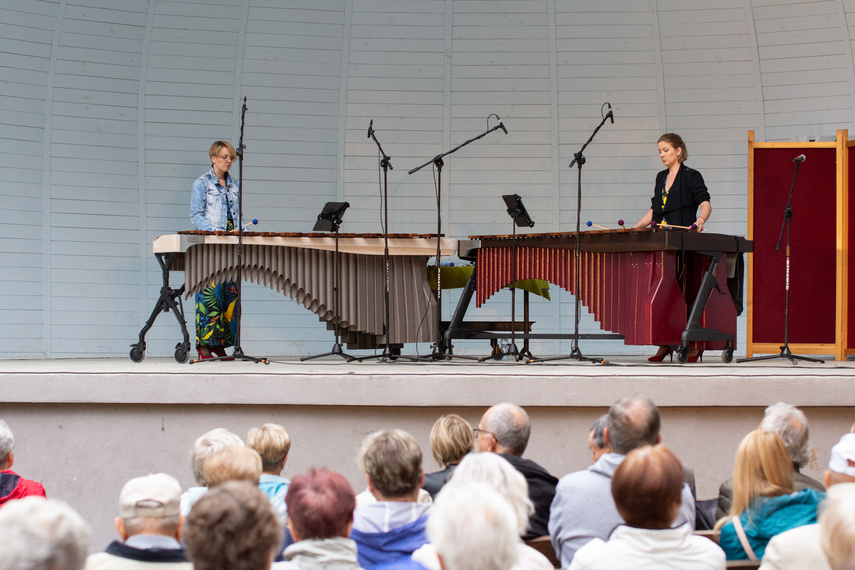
(479, 430)
(228, 157)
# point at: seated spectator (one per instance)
(473, 528)
(584, 507)
(206, 445)
(800, 547)
(232, 463)
(837, 527)
(647, 488)
(505, 429)
(596, 438)
(391, 529)
(42, 534)
(272, 443)
(494, 471)
(12, 485)
(764, 503)
(450, 440)
(149, 524)
(791, 425)
(320, 516)
(232, 527)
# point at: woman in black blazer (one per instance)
(679, 193)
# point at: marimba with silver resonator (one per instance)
(300, 265)
(629, 280)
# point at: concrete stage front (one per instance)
(84, 427)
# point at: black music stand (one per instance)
(439, 348)
(238, 350)
(519, 216)
(579, 161)
(329, 220)
(785, 349)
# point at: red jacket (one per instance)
(13, 486)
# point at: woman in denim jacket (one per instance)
(214, 207)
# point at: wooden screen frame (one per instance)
(840, 348)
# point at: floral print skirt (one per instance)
(215, 307)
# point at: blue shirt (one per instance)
(211, 202)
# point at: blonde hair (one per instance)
(215, 149)
(762, 468)
(451, 439)
(232, 463)
(272, 443)
(392, 460)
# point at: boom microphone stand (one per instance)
(238, 352)
(579, 161)
(785, 349)
(439, 348)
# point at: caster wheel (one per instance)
(137, 354)
(727, 355)
(682, 354)
(182, 355)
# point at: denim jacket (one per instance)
(209, 200)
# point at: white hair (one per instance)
(497, 472)
(791, 425)
(473, 527)
(837, 527)
(207, 445)
(7, 442)
(42, 534)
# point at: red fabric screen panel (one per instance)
(851, 272)
(812, 250)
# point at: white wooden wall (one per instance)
(108, 107)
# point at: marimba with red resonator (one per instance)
(656, 287)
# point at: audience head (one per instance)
(232, 463)
(500, 475)
(472, 527)
(42, 534)
(207, 445)
(632, 421)
(646, 487)
(272, 443)
(597, 438)
(391, 461)
(320, 505)
(7, 443)
(791, 425)
(150, 505)
(451, 438)
(504, 428)
(837, 527)
(232, 527)
(762, 468)
(841, 466)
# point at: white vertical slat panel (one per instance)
(26, 40)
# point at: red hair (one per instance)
(320, 504)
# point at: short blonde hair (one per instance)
(451, 439)
(232, 463)
(215, 149)
(272, 443)
(392, 461)
(762, 468)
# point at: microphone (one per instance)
(501, 124)
(370, 125)
(610, 115)
(799, 158)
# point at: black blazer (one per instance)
(686, 194)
